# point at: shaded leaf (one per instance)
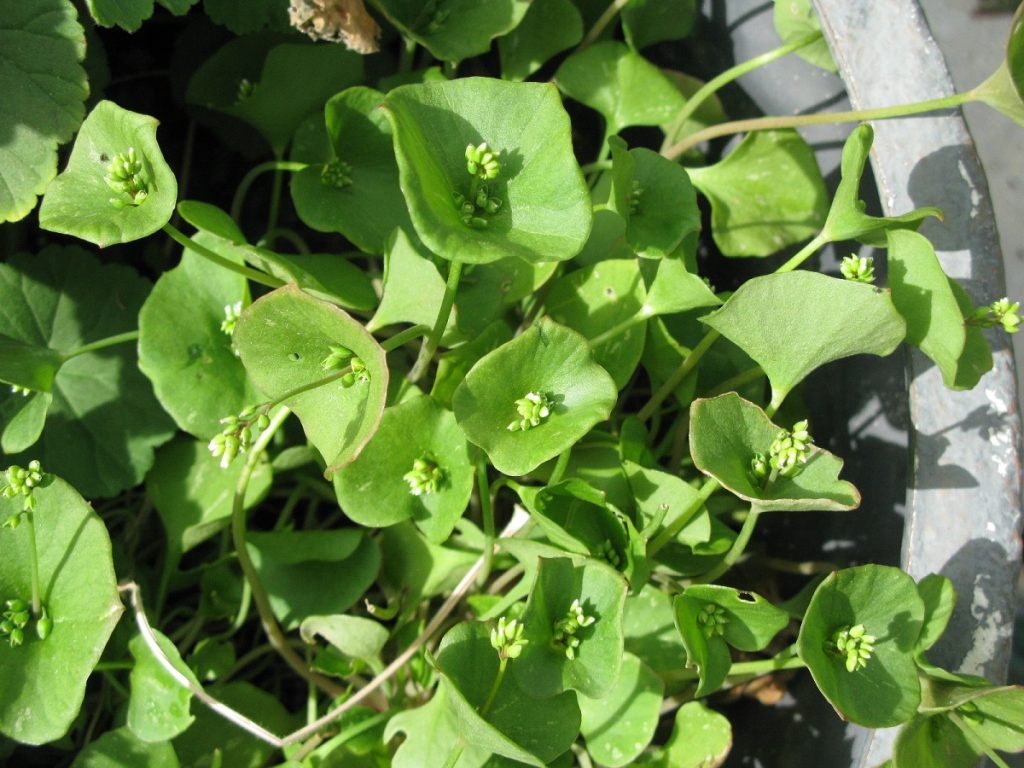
(620, 725)
(120, 748)
(549, 27)
(797, 18)
(646, 22)
(158, 708)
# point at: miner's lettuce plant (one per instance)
(450, 456)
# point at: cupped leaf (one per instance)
(284, 339)
(158, 708)
(551, 362)
(765, 195)
(726, 432)
(458, 29)
(549, 27)
(884, 601)
(545, 209)
(44, 85)
(922, 294)
(120, 748)
(793, 322)
(351, 185)
(44, 680)
(81, 202)
(933, 742)
(701, 738)
(655, 197)
(706, 653)
(750, 622)
(939, 598)
(518, 726)
(273, 95)
(846, 218)
(620, 725)
(107, 421)
(416, 467)
(545, 669)
(621, 84)
(185, 348)
(795, 19)
(646, 22)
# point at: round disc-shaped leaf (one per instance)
(79, 201)
(751, 622)
(549, 360)
(44, 680)
(620, 725)
(793, 322)
(43, 109)
(284, 338)
(545, 212)
(886, 691)
(726, 432)
(701, 738)
(373, 490)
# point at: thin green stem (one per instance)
(735, 552)
(678, 375)
(749, 669)
(283, 233)
(671, 531)
(486, 513)
(400, 338)
(238, 524)
(733, 383)
(254, 173)
(502, 666)
(716, 83)
(603, 21)
(826, 118)
(443, 313)
(275, 197)
(976, 740)
(804, 253)
(597, 165)
(616, 330)
(110, 341)
(37, 604)
(187, 242)
(561, 465)
(406, 55)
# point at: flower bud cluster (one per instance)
(237, 435)
(606, 551)
(231, 314)
(19, 481)
(790, 450)
(245, 89)
(1001, 312)
(342, 357)
(712, 619)
(855, 644)
(532, 409)
(425, 477)
(633, 198)
(124, 175)
(337, 174)
(482, 162)
(575, 619)
(23, 391)
(507, 638)
(861, 269)
(13, 621)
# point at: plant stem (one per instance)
(975, 739)
(110, 341)
(603, 21)
(749, 669)
(734, 553)
(622, 327)
(486, 513)
(187, 242)
(402, 337)
(270, 626)
(804, 253)
(669, 533)
(678, 375)
(827, 118)
(434, 339)
(502, 666)
(716, 83)
(560, 466)
(243, 187)
(34, 565)
(275, 197)
(735, 382)
(594, 167)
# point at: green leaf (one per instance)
(710, 111)
(793, 322)
(701, 738)
(751, 622)
(620, 84)
(664, 497)
(454, 30)
(547, 359)
(1015, 52)
(120, 748)
(709, 656)
(846, 218)
(726, 432)
(599, 297)
(795, 19)
(549, 27)
(423, 569)
(127, 14)
(283, 338)
(24, 425)
(487, 290)
(373, 490)
(109, 421)
(1004, 90)
(158, 708)
(655, 197)
(976, 359)
(998, 718)
(41, 109)
(765, 195)
(545, 211)
(431, 734)
(648, 624)
(26, 365)
(886, 691)
(544, 669)
(676, 289)
(646, 22)
(196, 373)
(939, 598)
(367, 207)
(518, 726)
(933, 742)
(178, 7)
(453, 366)
(79, 201)
(352, 635)
(922, 294)
(620, 725)
(250, 16)
(79, 590)
(288, 562)
(193, 495)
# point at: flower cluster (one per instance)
(507, 638)
(21, 481)
(853, 643)
(712, 619)
(237, 434)
(606, 551)
(787, 455)
(858, 268)
(13, 621)
(425, 477)
(231, 314)
(482, 164)
(341, 358)
(565, 638)
(533, 408)
(124, 175)
(1002, 312)
(337, 174)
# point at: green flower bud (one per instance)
(507, 638)
(44, 626)
(860, 269)
(336, 174)
(712, 619)
(231, 314)
(854, 644)
(425, 477)
(125, 176)
(533, 409)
